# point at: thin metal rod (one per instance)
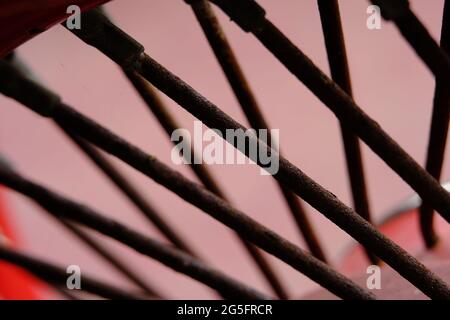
(58, 276)
(253, 19)
(111, 259)
(340, 73)
(172, 257)
(412, 29)
(169, 125)
(438, 135)
(133, 194)
(238, 82)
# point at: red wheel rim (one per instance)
(23, 19)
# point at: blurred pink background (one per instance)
(390, 83)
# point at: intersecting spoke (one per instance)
(438, 134)
(337, 57)
(247, 100)
(58, 276)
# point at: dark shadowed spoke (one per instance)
(438, 134)
(337, 59)
(115, 261)
(58, 276)
(417, 36)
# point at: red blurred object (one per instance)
(20, 20)
(403, 228)
(15, 284)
